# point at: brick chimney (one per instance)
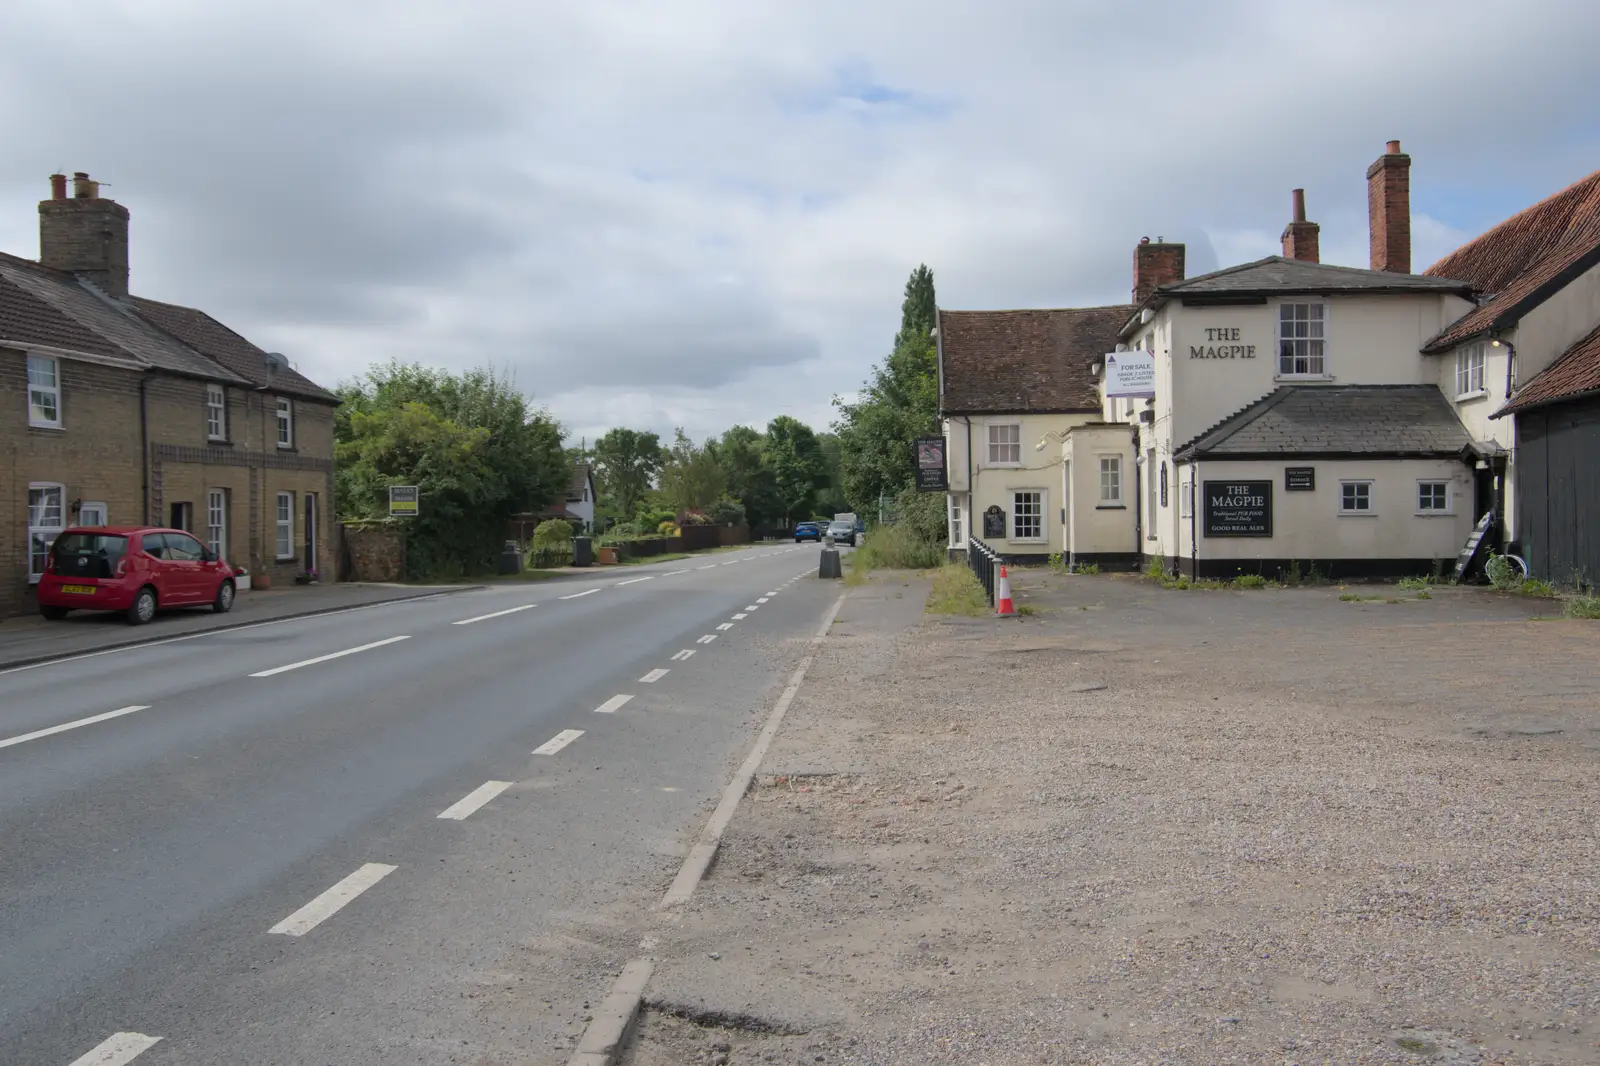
(1155, 264)
(1389, 210)
(85, 235)
(1300, 240)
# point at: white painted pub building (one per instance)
(1282, 413)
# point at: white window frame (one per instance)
(52, 392)
(36, 527)
(217, 521)
(953, 520)
(283, 543)
(285, 422)
(1315, 323)
(1186, 496)
(1449, 508)
(1358, 512)
(1471, 375)
(1114, 498)
(1044, 511)
(216, 412)
(1016, 428)
(97, 507)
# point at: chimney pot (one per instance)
(1389, 210)
(82, 187)
(1299, 205)
(1393, 148)
(1301, 239)
(58, 186)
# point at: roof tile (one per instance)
(205, 334)
(1025, 361)
(1575, 372)
(1339, 419)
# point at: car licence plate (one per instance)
(86, 590)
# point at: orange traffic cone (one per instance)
(1002, 595)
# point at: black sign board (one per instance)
(994, 523)
(1300, 478)
(1238, 509)
(931, 476)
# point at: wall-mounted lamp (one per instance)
(1511, 356)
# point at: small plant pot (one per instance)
(261, 581)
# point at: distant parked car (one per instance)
(807, 531)
(132, 569)
(842, 533)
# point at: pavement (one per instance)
(410, 830)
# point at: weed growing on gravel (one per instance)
(1414, 584)
(1583, 607)
(1087, 568)
(1027, 609)
(1250, 581)
(956, 591)
(1356, 597)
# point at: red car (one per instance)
(133, 569)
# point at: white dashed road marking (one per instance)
(497, 614)
(557, 742)
(585, 592)
(80, 723)
(713, 566)
(764, 599)
(737, 617)
(610, 706)
(636, 580)
(473, 800)
(324, 658)
(725, 625)
(118, 1049)
(707, 639)
(653, 676)
(674, 573)
(332, 901)
(752, 607)
(682, 655)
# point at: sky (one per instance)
(703, 212)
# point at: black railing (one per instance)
(985, 563)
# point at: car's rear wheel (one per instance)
(143, 607)
(224, 601)
(55, 614)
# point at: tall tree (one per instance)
(627, 462)
(741, 455)
(691, 477)
(798, 466)
(898, 404)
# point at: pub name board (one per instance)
(1238, 508)
(1222, 343)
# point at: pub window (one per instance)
(1469, 370)
(1185, 498)
(1355, 497)
(1110, 479)
(1164, 484)
(1027, 515)
(956, 539)
(1302, 332)
(1433, 497)
(1005, 444)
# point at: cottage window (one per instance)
(1433, 497)
(44, 392)
(1355, 497)
(285, 545)
(46, 520)
(1302, 332)
(1005, 444)
(1469, 371)
(1186, 497)
(956, 539)
(217, 522)
(285, 422)
(1027, 515)
(1111, 479)
(216, 412)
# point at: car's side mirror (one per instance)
(207, 555)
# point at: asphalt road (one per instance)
(369, 837)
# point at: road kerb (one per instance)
(605, 1037)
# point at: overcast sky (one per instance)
(703, 212)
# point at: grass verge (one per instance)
(956, 591)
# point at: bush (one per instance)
(553, 533)
(694, 518)
(956, 591)
(669, 528)
(651, 518)
(897, 547)
(726, 512)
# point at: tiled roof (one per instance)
(26, 319)
(1276, 274)
(96, 323)
(1025, 361)
(580, 481)
(1377, 420)
(1575, 372)
(1524, 260)
(205, 334)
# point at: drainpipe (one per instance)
(1138, 498)
(144, 443)
(1194, 509)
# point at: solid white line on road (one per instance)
(636, 580)
(497, 614)
(739, 617)
(713, 566)
(557, 742)
(611, 705)
(80, 723)
(707, 639)
(653, 676)
(577, 595)
(682, 655)
(725, 625)
(474, 799)
(332, 901)
(324, 658)
(118, 1049)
